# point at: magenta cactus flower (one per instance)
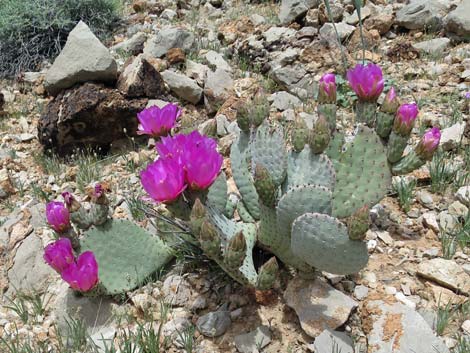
(202, 162)
(367, 81)
(327, 89)
(58, 216)
(59, 255)
(172, 147)
(83, 274)
(405, 118)
(429, 143)
(163, 180)
(391, 102)
(156, 122)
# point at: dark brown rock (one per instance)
(175, 55)
(88, 115)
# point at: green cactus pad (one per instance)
(217, 195)
(268, 149)
(362, 174)
(126, 254)
(300, 200)
(243, 213)
(334, 149)
(309, 168)
(241, 174)
(323, 242)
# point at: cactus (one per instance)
(127, 255)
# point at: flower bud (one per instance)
(70, 202)
(299, 134)
(59, 255)
(58, 216)
(428, 144)
(367, 81)
(320, 136)
(391, 102)
(327, 89)
(209, 239)
(267, 274)
(405, 119)
(236, 250)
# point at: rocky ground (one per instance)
(210, 56)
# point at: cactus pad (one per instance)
(309, 168)
(268, 149)
(323, 242)
(241, 174)
(126, 254)
(217, 195)
(334, 149)
(362, 174)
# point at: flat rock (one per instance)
(214, 324)
(452, 136)
(217, 60)
(463, 195)
(447, 273)
(394, 327)
(283, 100)
(218, 88)
(430, 221)
(84, 58)
(140, 79)
(133, 45)
(318, 305)
(422, 14)
(327, 31)
(292, 9)
(29, 271)
(276, 34)
(176, 290)
(458, 20)
(168, 38)
(184, 87)
(254, 340)
(333, 341)
(433, 47)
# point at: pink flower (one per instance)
(59, 255)
(429, 143)
(390, 103)
(68, 198)
(367, 81)
(327, 89)
(82, 275)
(172, 147)
(58, 216)
(201, 161)
(157, 121)
(405, 118)
(163, 180)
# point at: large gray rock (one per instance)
(293, 9)
(182, 86)
(433, 47)
(132, 45)
(333, 341)
(296, 80)
(452, 136)
(218, 88)
(29, 271)
(394, 327)
(84, 58)
(447, 273)
(318, 305)
(458, 21)
(327, 31)
(214, 324)
(463, 195)
(283, 100)
(167, 39)
(422, 14)
(253, 341)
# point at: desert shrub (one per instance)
(32, 31)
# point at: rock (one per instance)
(184, 87)
(176, 290)
(103, 338)
(393, 327)
(276, 34)
(447, 273)
(90, 115)
(168, 38)
(447, 222)
(422, 14)
(6, 186)
(466, 327)
(196, 71)
(430, 221)
(84, 58)
(140, 79)
(458, 209)
(333, 341)
(403, 299)
(168, 14)
(425, 198)
(198, 303)
(430, 316)
(318, 305)
(296, 80)
(327, 32)
(381, 20)
(283, 101)
(133, 46)
(175, 56)
(175, 327)
(217, 60)
(452, 136)
(434, 46)
(95, 312)
(29, 271)
(463, 195)
(292, 9)
(353, 19)
(458, 20)
(254, 340)
(361, 292)
(257, 20)
(218, 88)
(214, 324)
(6, 226)
(385, 237)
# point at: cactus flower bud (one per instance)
(265, 186)
(429, 144)
(70, 202)
(209, 239)
(198, 213)
(59, 255)
(405, 119)
(299, 134)
(367, 81)
(97, 195)
(267, 274)
(243, 119)
(236, 251)
(83, 274)
(58, 216)
(156, 122)
(358, 223)
(163, 180)
(327, 89)
(320, 136)
(391, 102)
